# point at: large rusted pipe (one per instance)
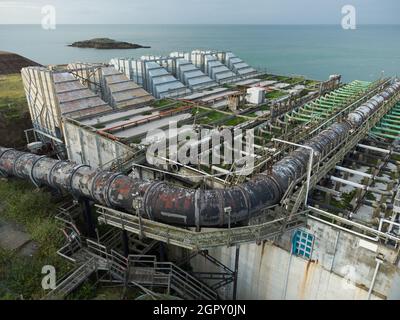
(177, 205)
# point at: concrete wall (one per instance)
(341, 268)
(87, 147)
(42, 101)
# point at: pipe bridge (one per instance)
(171, 204)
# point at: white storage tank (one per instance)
(255, 95)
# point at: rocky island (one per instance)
(105, 43)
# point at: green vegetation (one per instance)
(117, 293)
(275, 94)
(295, 80)
(167, 104)
(228, 86)
(253, 115)
(345, 200)
(20, 276)
(235, 121)
(161, 103)
(199, 111)
(136, 140)
(370, 196)
(395, 157)
(106, 43)
(282, 78)
(14, 115)
(267, 77)
(12, 96)
(311, 83)
(211, 116)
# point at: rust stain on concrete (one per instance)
(307, 276)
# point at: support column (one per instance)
(162, 252)
(234, 295)
(338, 185)
(88, 217)
(125, 242)
(328, 198)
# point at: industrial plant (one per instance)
(197, 176)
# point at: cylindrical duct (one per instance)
(177, 205)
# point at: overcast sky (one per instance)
(200, 11)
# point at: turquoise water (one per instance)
(314, 51)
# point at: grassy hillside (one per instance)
(14, 114)
(20, 276)
(12, 95)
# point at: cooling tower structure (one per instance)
(321, 195)
(113, 86)
(152, 76)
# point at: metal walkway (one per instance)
(330, 108)
(327, 105)
(389, 125)
(336, 155)
(253, 233)
(199, 240)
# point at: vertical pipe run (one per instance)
(379, 261)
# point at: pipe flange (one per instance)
(15, 163)
(94, 182)
(74, 170)
(276, 182)
(246, 199)
(197, 208)
(108, 186)
(37, 184)
(51, 173)
(221, 205)
(5, 151)
(146, 195)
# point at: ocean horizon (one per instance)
(315, 50)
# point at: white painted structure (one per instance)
(255, 95)
(341, 266)
(52, 95)
(111, 85)
(238, 66)
(85, 146)
(152, 76)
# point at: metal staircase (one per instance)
(72, 281)
(144, 270)
(139, 269)
(147, 271)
